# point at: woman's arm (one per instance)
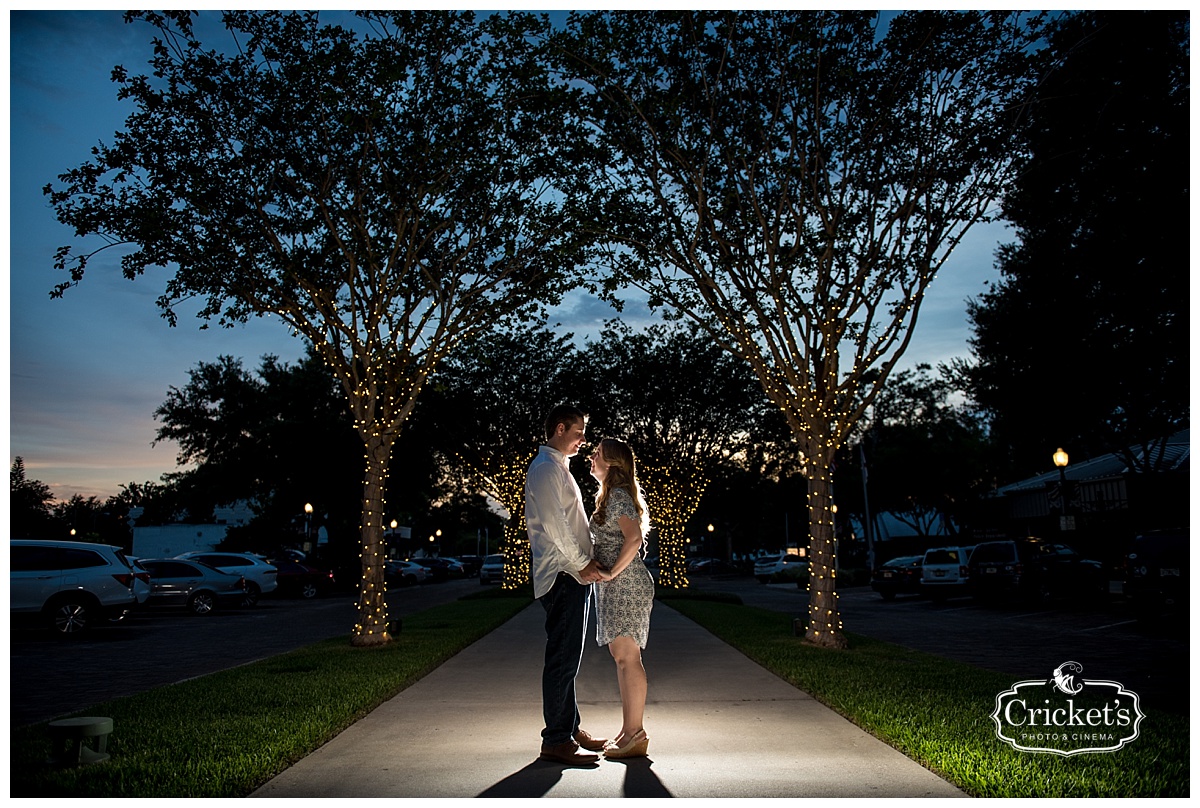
(632, 532)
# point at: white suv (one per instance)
(70, 585)
(261, 576)
(944, 572)
(781, 566)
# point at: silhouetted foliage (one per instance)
(31, 514)
(792, 181)
(1084, 341)
(386, 189)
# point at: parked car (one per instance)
(193, 584)
(297, 579)
(945, 572)
(1033, 568)
(1157, 574)
(141, 581)
(711, 566)
(900, 576)
(405, 573)
(261, 576)
(780, 567)
(471, 564)
(69, 586)
(440, 569)
(492, 570)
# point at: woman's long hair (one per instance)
(622, 473)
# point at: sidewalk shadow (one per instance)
(640, 781)
(535, 780)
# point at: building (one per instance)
(1106, 500)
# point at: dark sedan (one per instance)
(440, 569)
(192, 584)
(900, 576)
(1157, 574)
(470, 564)
(300, 580)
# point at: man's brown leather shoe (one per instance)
(585, 739)
(568, 753)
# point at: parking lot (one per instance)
(50, 677)
(1012, 638)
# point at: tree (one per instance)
(278, 438)
(487, 407)
(386, 192)
(1084, 342)
(692, 412)
(793, 181)
(929, 453)
(31, 501)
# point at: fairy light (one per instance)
(503, 476)
(672, 495)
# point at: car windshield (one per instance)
(941, 557)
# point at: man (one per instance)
(562, 569)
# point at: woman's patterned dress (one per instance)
(623, 604)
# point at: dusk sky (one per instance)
(86, 372)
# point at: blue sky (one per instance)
(86, 372)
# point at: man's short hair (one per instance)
(563, 414)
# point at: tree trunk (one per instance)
(824, 620)
(515, 547)
(372, 626)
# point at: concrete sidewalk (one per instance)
(719, 725)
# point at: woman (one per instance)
(625, 592)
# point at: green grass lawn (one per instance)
(937, 712)
(226, 734)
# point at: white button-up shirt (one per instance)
(558, 527)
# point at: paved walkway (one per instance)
(719, 725)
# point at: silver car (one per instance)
(492, 570)
(261, 575)
(405, 573)
(186, 582)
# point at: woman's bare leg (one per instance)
(631, 678)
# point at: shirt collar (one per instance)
(555, 454)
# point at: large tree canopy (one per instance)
(387, 189)
(793, 181)
(1084, 342)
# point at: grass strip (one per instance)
(226, 734)
(937, 712)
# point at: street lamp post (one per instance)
(1066, 519)
(308, 511)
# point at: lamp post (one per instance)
(1066, 520)
(308, 511)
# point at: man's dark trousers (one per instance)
(566, 606)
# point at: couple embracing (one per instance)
(574, 557)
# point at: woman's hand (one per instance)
(606, 575)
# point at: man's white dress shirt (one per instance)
(558, 527)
